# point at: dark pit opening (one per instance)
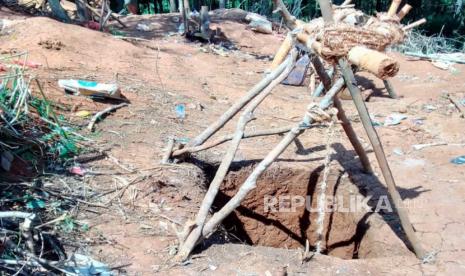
(347, 234)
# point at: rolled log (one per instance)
(404, 11)
(394, 7)
(282, 52)
(374, 62)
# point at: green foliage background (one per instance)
(446, 17)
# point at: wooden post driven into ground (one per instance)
(351, 83)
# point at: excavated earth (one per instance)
(158, 69)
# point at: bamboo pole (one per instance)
(394, 7)
(379, 152)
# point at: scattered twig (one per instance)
(225, 138)
(97, 116)
(169, 149)
(422, 146)
(457, 104)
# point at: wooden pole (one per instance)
(378, 149)
(282, 52)
(228, 137)
(390, 89)
(196, 234)
(394, 7)
(404, 11)
(58, 11)
(290, 20)
(341, 115)
(222, 4)
(169, 149)
(187, 8)
(172, 6)
(235, 108)
(346, 2)
(250, 182)
(414, 24)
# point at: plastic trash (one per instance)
(430, 107)
(30, 64)
(6, 158)
(83, 113)
(86, 266)
(91, 88)
(417, 122)
(374, 121)
(92, 25)
(182, 140)
(181, 28)
(180, 110)
(77, 170)
(394, 119)
(297, 75)
(459, 160)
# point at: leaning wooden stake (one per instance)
(250, 182)
(97, 116)
(194, 236)
(228, 137)
(377, 147)
(282, 52)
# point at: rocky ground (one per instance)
(158, 69)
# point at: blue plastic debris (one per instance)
(86, 266)
(394, 119)
(180, 111)
(459, 160)
(182, 140)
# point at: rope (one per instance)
(318, 115)
(323, 184)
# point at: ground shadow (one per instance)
(369, 85)
(370, 185)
